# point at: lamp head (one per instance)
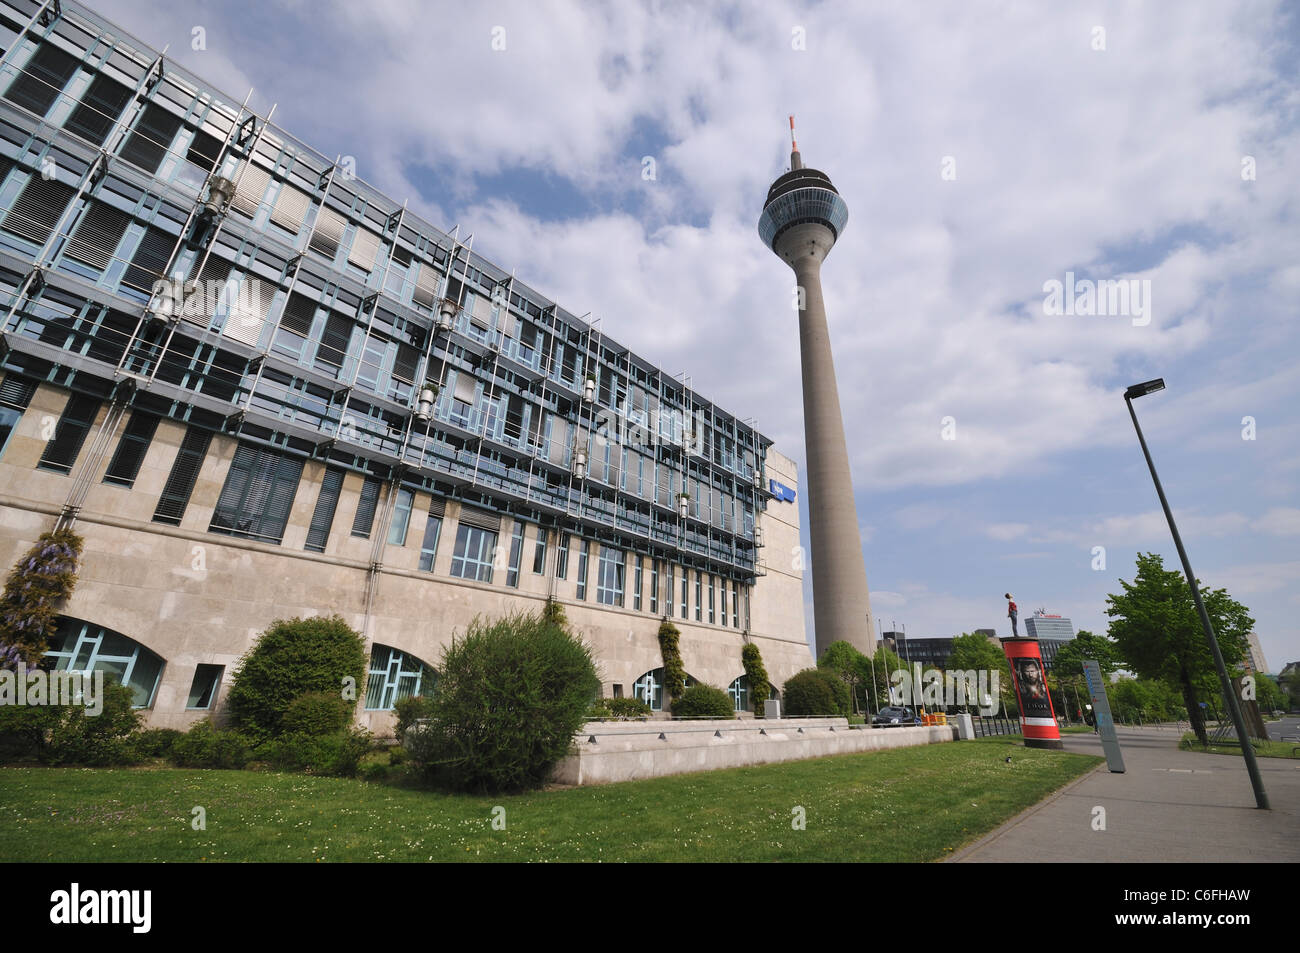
(1146, 387)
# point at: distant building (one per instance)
(1254, 662)
(1051, 631)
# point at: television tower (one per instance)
(801, 220)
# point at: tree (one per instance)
(816, 691)
(970, 650)
(876, 680)
(1158, 631)
(1067, 667)
(844, 661)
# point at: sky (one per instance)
(617, 157)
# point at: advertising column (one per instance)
(1037, 719)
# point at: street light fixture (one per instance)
(1256, 782)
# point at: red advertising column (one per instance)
(1037, 719)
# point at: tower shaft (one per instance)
(841, 603)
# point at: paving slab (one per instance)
(1168, 806)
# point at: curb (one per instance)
(1028, 812)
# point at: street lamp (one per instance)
(1256, 782)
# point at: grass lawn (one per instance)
(1263, 749)
(907, 804)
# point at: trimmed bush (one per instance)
(409, 711)
(317, 713)
(759, 685)
(702, 700)
(618, 708)
(816, 691)
(338, 754)
(292, 658)
(156, 742)
(205, 746)
(66, 734)
(511, 695)
(674, 670)
(40, 582)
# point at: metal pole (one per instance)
(1248, 752)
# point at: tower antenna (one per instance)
(796, 162)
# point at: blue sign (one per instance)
(780, 491)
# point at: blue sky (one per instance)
(1108, 140)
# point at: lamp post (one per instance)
(1256, 782)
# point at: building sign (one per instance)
(780, 491)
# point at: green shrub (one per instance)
(338, 754)
(397, 756)
(760, 687)
(205, 746)
(156, 742)
(317, 713)
(409, 711)
(816, 691)
(674, 670)
(38, 585)
(511, 695)
(607, 708)
(702, 700)
(293, 658)
(67, 734)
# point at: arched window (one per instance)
(650, 688)
(740, 693)
(78, 646)
(396, 675)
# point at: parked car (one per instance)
(896, 715)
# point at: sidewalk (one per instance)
(1169, 805)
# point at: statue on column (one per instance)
(1012, 614)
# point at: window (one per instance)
(740, 693)
(151, 138)
(401, 517)
(42, 79)
(78, 646)
(516, 554)
(429, 547)
(97, 235)
(685, 590)
(258, 494)
(539, 551)
(38, 209)
(584, 549)
(322, 519)
(562, 558)
(15, 394)
(636, 586)
(395, 675)
(735, 605)
(609, 577)
(180, 482)
(125, 465)
(711, 613)
(204, 688)
(650, 689)
(724, 601)
(365, 516)
(654, 587)
(698, 596)
(70, 433)
(472, 557)
(98, 110)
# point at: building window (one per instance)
(584, 550)
(180, 482)
(70, 433)
(735, 605)
(395, 675)
(609, 577)
(654, 587)
(699, 584)
(78, 646)
(322, 519)
(740, 693)
(539, 552)
(15, 394)
(401, 517)
(724, 601)
(472, 557)
(650, 689)
(258, 494)
(670, 590)
(636, 585)
(429, 547)
(516, 554)
(39, 83)
(366, 505)
(204, 688)
(562, 558)
(125, 465)
(685, 590)
(712, 618)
